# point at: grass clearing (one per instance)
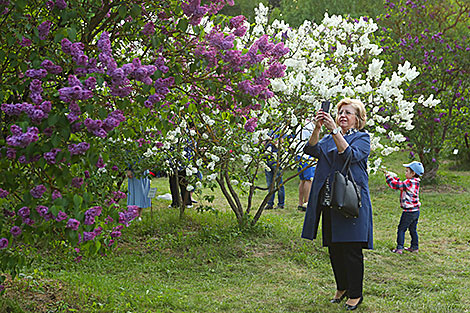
(204, 263)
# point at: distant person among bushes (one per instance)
(138, 189)
(306, 165)
(344, 237)
(409, 202)
(272, 147)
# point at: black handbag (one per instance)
(345, 194)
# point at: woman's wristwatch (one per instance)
(335, 131)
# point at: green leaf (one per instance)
(122, 11)
(136, 10)
(182, 25)
(77, 201)
(72, 32)
(21, 4)
(54, 210)
(52, 120)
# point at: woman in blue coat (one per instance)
(344, 237)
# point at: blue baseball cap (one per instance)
(416, 167)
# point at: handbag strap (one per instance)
(347, 164)
(348, 174)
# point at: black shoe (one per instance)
(269, 207)
(280, 207)
(353, 307)
(338, 300)
(301, 208)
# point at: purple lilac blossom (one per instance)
(50, 156)
(23, 212)
(38, 191)
(44, 29)
(80, 148)
(11, 153)
(8, 213)
(76, 182)
(87, 236)
(28, 221)
(39, 74)
(61, 216)
(42, 210)
(3, 193)
(149, 29)
(56, 194)
(20, 139)
(100, 163)
(73, 224)
(114, 234)
(61, 4)
(251, 124)
(3, 243)
(15, 231)
(25, 42)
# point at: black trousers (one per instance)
(176, 188)
(347, 262)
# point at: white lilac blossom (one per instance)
(309, 78)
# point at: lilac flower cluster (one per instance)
(160, 63)
(8, 213)
(25, 42)
(75, 92)
(61, 4)
(73, 224)
(251, 124)
(255, 90)
(100, 163)
(15, 231)
(88, 235)
(24, 213)
(236, 23)
(79, 148)
(35, 112)
(115, 197)
(36, 90)
(162, 87)
(44, 212)
(127, 216)
(142, 72)
(38, 191)
(219, 40)
(50, 156)
(101, 128)
(51, 67)
(86, 65)
(3, 193)
(90, 215)
(76, 182)
(39, 74)
(149, 29)
(3, 243)
(61, 216)
(56, 194)
(20, 139)
(194, 11)
(44, 29)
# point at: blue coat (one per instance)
(329, 160)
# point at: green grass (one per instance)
(204, 263)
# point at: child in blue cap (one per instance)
(409, 202)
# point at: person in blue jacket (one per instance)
(344, 237)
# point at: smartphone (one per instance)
(325, 106)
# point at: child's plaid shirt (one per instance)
(409, 192)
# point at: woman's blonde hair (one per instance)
(360, 111)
